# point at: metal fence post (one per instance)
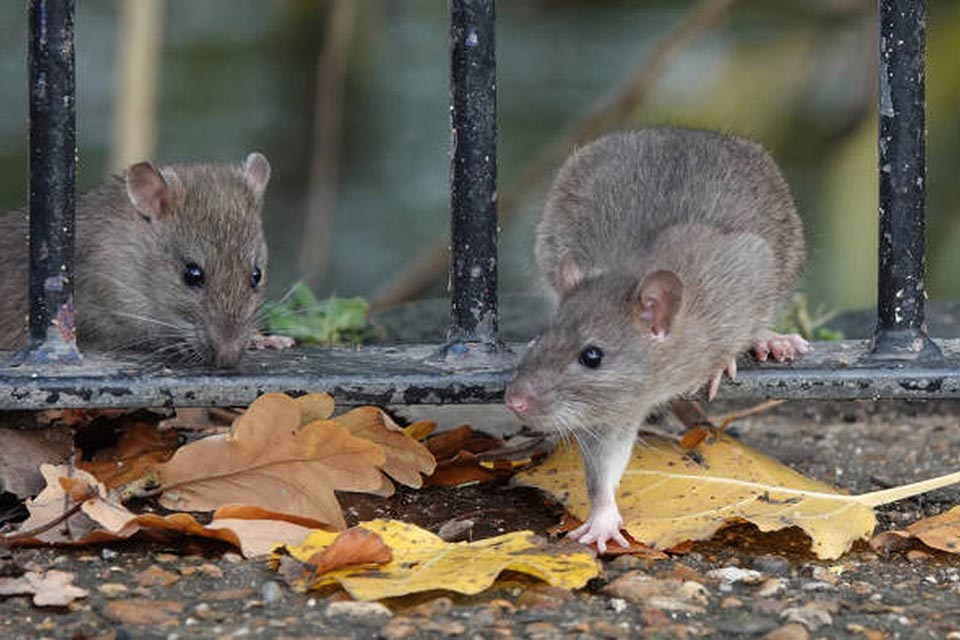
(53, 153)
(901, 326)
(473, 191)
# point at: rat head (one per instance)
(596, 364)
(198, 266)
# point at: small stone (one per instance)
(625, 563)
(618, 605)
(156, 577)
(604, 629)
(432, 608)
(812, 615)
(543, 596)
(817, 586)
(205, 612)
(211, 570)
(108, 554)
(731, 575)
(826, 574)
(432, 628)
(771, 564)
(916, 555)
(112, 589)
(456, 530)
(271, 592)
(166, 557)
(662, 593)
(542, 631)
(399, 628)
(369, 613)
(232, 558)
(731, 602)
(770, 587)
(792, 631)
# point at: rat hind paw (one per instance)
(600, 527)
(782, 347)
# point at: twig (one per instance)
(736, 415)
(63, 517)
(611, 111)
(327, 127)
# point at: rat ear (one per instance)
(659, 296)
(568, 275)
(256, 171)
(147, 190)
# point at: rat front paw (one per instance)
(601, 527)
(261, 341)
(780, 346)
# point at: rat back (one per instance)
(613, 198)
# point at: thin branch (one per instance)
(327, 128)
(611, 111)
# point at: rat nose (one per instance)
(518, 400)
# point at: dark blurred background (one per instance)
(349, 100)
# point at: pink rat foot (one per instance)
(782, 347)
(602, 526)
(261, 341)
(714, 384)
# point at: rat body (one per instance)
(670, 250)
(169, 259)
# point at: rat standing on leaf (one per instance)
(671, 250)
(170, 259)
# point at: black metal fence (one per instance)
(901, 361)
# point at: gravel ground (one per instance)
(740, 584)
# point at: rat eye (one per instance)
(255, 277)
(192, 275)
(591, 357)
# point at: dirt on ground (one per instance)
(740, 584)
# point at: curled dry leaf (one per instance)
(406, 459)
(423, 562)
(354, 547)
(139, 446)
(669, 495)
(269, 460)
(938, 532)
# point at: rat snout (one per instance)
(519, 398)
(227, 356)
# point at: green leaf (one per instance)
(327, 322)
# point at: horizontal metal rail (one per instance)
(406, 375)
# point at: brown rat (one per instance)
(170, 259)
(670, 250)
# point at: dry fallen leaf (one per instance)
(139, 446)
(423, 562)
(938, 532)
(406, 459)
(353, 547)
(23, 451)
(269, 460)
(669, 495)
(49, 588)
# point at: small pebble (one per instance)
(271, 592)
(370, 613)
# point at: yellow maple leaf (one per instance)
(421, 561)
(669, 495)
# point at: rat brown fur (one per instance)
(170, 259)
(670, 250)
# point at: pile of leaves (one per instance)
(269, 485)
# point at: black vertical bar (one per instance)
(473, 196)
(901, 325)
(53, 153)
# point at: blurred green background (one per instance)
(237, 75)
